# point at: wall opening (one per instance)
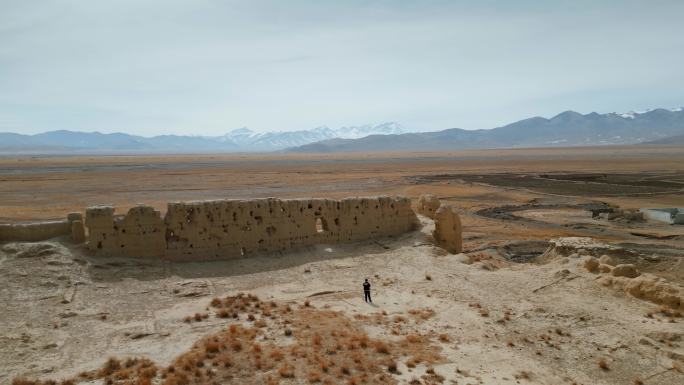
(321, 225)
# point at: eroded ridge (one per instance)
(236, 228)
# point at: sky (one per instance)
(205, 67)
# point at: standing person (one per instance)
(366, 291)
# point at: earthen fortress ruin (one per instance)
(236, 228)
(217, 229)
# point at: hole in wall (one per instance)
(321, 225)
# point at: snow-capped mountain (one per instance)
(634, 114)
(249, 140)
(658, 126)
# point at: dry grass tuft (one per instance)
(523, 375)
(381, 347)
(325, 347)
(414, 338)
(392, 366)
(212, 347)
(286, 371)
(216, 302)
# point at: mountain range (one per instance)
(239, 140)
(655, 127)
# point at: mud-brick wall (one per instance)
(140, 233)
(35, 231)
(237, 228)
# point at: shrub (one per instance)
(314, 376)
(276, 354)
(211, 347)
(414, 338)
(111, 366)
(381, 347)
(216, 302)
(286, 371)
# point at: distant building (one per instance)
(673, 216)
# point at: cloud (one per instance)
(206, 66)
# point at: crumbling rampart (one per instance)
(34, 231)
(236, 228)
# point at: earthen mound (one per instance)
(650, 288)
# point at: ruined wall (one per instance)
(34, 231)
(235, 228)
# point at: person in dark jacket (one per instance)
(366, 291)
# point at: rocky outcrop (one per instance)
(428, 205)
(648, 287)
(590, 263)
(235, 228)
(625, 270)
(448, 231)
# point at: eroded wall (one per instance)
(34, 231)
(236, 228)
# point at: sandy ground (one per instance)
(500, 313)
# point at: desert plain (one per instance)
(522, 304)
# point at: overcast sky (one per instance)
(209, 66)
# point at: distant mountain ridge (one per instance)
(239, 140)
(653, 127)
(565, 129)
(270, 141)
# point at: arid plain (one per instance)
(521, 304)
